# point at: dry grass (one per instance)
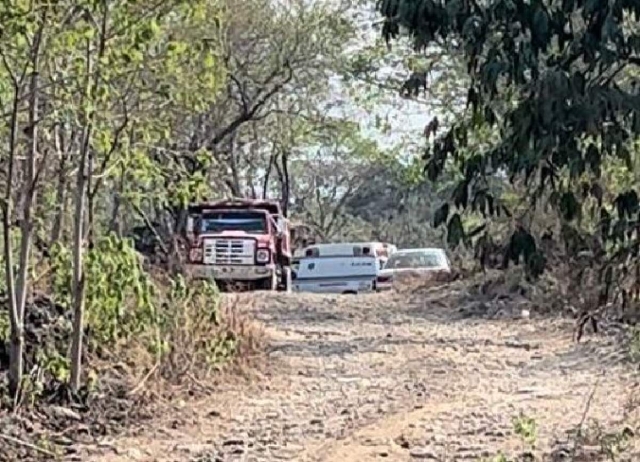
(194, 342)
(199, 339)
(417, 282)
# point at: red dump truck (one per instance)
(240, 242)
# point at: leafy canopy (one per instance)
(553, 78)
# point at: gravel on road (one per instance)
(396, 377)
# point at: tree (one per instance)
(327, 176)
(125, 36)
(550, 78)
(99, 86)
(277, 59)
(21, 52)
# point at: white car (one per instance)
(411, 263)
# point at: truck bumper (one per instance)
(231, 272)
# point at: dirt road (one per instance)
(395, 377)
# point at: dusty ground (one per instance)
(395, 377)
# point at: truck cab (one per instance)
(240, 241)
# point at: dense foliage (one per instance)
(556, 83)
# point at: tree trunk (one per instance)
(267, 175)
(115, 223)
(18, 293)
(78, 239)
(78, 274)
(61, 191)
(29, 188)
(81, 195)
(17, 328)
(286, 187)
(15, 349)
(234, 184)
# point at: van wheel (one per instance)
(349, 292)
(286, 282)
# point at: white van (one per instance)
(337, 275)
(347, 249)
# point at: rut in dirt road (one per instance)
(357, 378)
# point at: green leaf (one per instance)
(441, 215)
(523, 244)
(477, 230)
(569, 206)
(460, 195)
(455, 231)
(593, 159)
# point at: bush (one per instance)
(136, 323)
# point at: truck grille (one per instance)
(229, 251)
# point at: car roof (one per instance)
(420, 250)
(329, 244)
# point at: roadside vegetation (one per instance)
(546, 152)
(115, 114)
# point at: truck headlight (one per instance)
(262, 256)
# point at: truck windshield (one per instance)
(249, 222)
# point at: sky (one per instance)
(407, 118)
(404, 119)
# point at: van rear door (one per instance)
(336, 274)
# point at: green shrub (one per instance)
(143, 322)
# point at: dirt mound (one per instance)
(501, 294)
(47, 339)
(493, 294)
(47, 327)
(35, 433)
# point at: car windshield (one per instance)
(415, 260)
(249, 222)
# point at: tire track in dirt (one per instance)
(358, 378)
